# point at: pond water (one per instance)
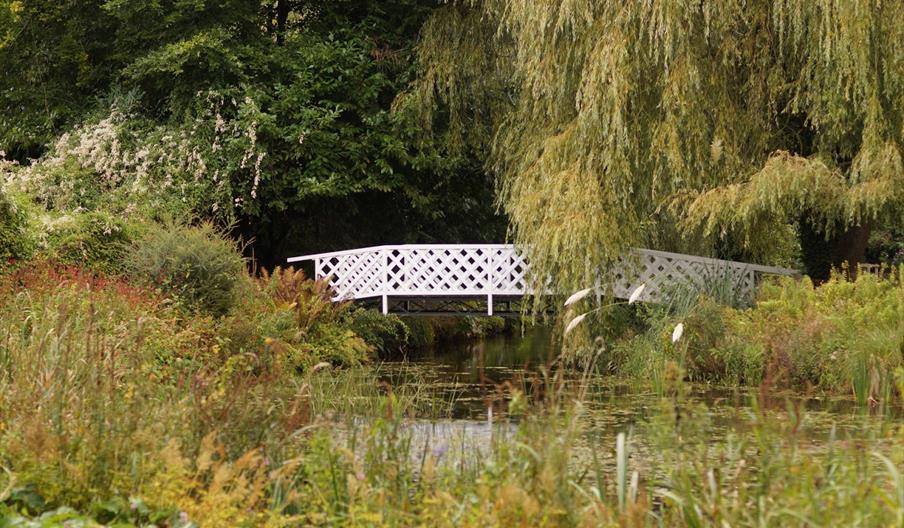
(473, 381)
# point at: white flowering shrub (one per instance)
(94, 239)
(208, 166)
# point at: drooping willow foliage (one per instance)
(681, 124)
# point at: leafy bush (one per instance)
(386, 333)
(16, 242)
(197, 265)
(842, 336)
(96, 240)
(285, 314)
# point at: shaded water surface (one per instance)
(473, 382)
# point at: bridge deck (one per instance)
(459, 273)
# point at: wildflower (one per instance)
(440, 450)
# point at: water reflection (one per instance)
(476, 377)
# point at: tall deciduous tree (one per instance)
(705, 125)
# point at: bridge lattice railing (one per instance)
(501, 270)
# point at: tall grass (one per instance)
(100, 378)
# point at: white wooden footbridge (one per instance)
(464, 278)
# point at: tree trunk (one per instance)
(282, 15)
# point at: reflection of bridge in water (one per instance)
(494, 278)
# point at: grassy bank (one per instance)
(139, 418)
(843, 337)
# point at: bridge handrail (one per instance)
(391, 247)
(762, 268)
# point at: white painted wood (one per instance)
(485, 270)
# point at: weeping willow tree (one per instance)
(711, 126)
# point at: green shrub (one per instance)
(842, 336)
(386, 333)
(196, 265)
(16, 241)
(421, 333)
(96, 240)
(285, 317)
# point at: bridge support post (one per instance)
(490, 304)
(385, 255)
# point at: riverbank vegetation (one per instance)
(118, 406)
(841, 337)
(128, 400)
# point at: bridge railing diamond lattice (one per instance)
(500, 270)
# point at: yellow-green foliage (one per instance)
(16, 239)
(82, 392)
(285, 312)
(550, 472)
(108, 392)
(844, 336)
(616, 123)
(103, 384)
(212, 489)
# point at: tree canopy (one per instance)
(272, 114)
(709, 126)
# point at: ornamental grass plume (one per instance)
(578, 295)
(677, 332)
(574, 322)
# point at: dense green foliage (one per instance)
(275, 113)
(15, 237)
(711, 126)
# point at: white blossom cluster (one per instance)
(202, 164)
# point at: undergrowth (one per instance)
(843, 337)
